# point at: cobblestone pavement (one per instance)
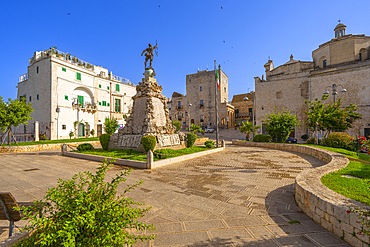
(243, 196)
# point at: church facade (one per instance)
(339, 67)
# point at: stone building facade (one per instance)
(199, 102)
(69, 94)
(243, 104)
(341, 63)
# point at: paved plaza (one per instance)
(243, 196)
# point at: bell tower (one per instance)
(340, 30)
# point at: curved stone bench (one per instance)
(324, 206)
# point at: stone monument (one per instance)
(149, 114)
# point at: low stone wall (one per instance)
(149, 164)
(41, 147)
(324, 206)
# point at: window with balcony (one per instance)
(80, 100)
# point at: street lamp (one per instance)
(57, 111)
(189, 114)
(334, 90)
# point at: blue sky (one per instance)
(239, 34)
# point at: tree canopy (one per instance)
(279, 125)
(110, 125)
(14, 113)
(330, 117)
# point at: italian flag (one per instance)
(217, 80)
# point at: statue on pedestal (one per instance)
(148, 52)
(149, 114)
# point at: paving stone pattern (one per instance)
(243, 196)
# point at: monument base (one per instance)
(134, 141)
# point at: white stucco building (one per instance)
(69, 94)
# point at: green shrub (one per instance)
(339, 140)
(159, 155)
(262, 138)
(177, 125)
(190, 139)
(71, 134)
(311, 140)
(195, 128)
(149, 142)
(86, 211)
(42, 137)
(110, 125)
(209, 144)
(85, 147)
(104, 141)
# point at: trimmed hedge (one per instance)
(209, 144)
(190, 139)
(149, 142)
(340, 140)
(85, 147)
(104, 141)
(262, 138)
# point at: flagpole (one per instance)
(216, 103)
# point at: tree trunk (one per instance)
(8, 130)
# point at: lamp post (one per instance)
(189, 115)
(334, 90)
(76, 105)
(246, 98)
(57, 111)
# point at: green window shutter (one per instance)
(107, 88)
(80, 100)
(117, 105)
(66, 97)
(99, 85)
(104, 103)
(78, 76)
(108, 104)
(117, 87)
(99, 103)
(64, 69)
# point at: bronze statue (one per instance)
(148, 52)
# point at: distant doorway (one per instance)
(367, 133)
(99, 130)
(81, 130)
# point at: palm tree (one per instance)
(247, 128)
